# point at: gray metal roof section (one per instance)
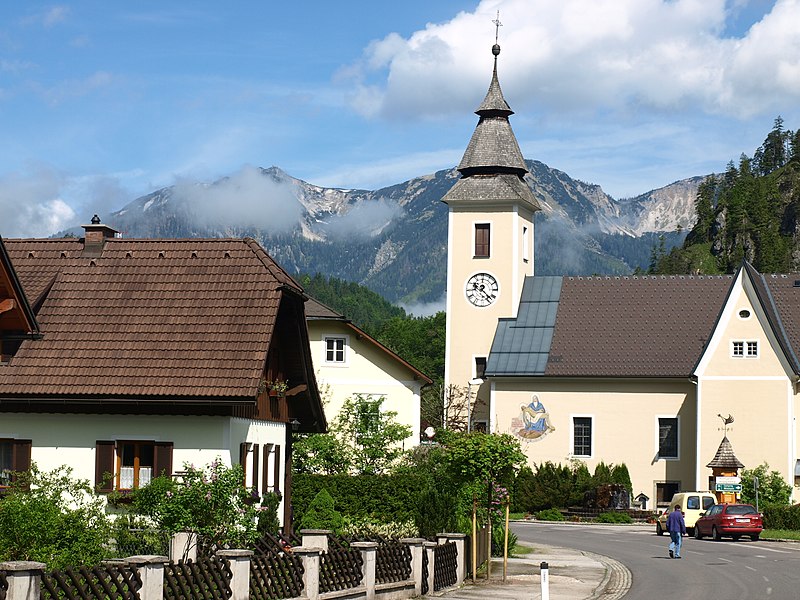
(521, 345)
(491, 189)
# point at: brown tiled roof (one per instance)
(148, 318)
(634, 326)
(780, 297)
(725, 458)
(317, 310)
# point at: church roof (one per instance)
(725, 458)
(638, 326)
(492, 156)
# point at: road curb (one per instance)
(617, 581)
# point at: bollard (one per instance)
(545, 577)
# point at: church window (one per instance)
(582, 436)
(744, 349)
(668, 437)
(480, 367)
(525, 244)
(482, 240)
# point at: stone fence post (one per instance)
(369, 554)
(183, 546)
(23, 578)
(459, 539)
(240, 571)
(310, 558)
(429, 548)
(415, 544)
(315, 538)
(151, 572)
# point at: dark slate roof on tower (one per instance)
(492, 168)
(725, 458)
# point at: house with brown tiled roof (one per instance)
(633, 370)
(133, 357)
(349, 362)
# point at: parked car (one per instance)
(692, 505)
(734, 520)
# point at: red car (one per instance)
(734, 520)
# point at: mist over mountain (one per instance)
(394, 240)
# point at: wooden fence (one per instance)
(382, 571)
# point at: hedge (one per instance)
(782, 517)
(384, 497)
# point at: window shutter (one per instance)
(277, 470)
(22, 456)
(162, 459)
(265, 467)
(255, 467)
(104, 463)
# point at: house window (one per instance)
(668, 437)
(582, 436)
(525, 244)
(665, 490)
(334, 349)
(744, 349)
(482, 240)
(130, 464)
(369, 414)
(480, 367)
(15, 457)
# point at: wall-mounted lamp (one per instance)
(295, 424)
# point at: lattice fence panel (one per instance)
(445, 564)
(340, 570)
(3, 585)
(393, 562)
(425, 586)
(274, 576)
(204, 579)
(103, 582)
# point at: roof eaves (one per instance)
(30, 316)
(710, 336)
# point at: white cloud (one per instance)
(363, 220)
(589, 55)
(31, 204)
(246, 199)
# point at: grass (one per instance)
(780, 534)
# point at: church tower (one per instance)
(489, 253)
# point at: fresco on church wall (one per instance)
(533, 422)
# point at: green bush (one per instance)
(364, 528)
(136, 536)
(52, 518)
(322, 514)
(772, 488)
(550, 514)
(613, 517)
(782, 517)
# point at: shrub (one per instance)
(322, 514)
(136, 536)
(772, 488)
(550, 514)
(782, 517)
(268, 521)
(614, 517)
(52, 518)
(364, 528)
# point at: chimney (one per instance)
(95, 237)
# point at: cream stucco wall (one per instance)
(470, 329)
(624, 424)
(757, 391)
(367, 370)
(65, 439)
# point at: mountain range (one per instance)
(394, 239)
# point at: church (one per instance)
(656, 372)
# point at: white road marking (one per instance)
(725, 559)
(748, 567)
(773, 550)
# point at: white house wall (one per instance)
(367, 369)
(64, 439)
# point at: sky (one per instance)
(102, 102)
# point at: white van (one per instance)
(692, 505)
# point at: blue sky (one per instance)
(102, 102)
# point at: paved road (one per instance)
(731, 570)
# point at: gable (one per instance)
(16, 315)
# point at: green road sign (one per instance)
(729, 487)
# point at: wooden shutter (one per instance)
(277, 473)
(244, 448)
(255, 467)
(265, 467)
(162, 459)
(482, 239)
(22, 456)
(104, 463)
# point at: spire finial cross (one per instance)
(497, 26)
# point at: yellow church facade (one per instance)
(643, 371)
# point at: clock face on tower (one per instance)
(482, 289)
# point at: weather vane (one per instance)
(497, 26)
(726, 421)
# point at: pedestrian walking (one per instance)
(676, 527)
